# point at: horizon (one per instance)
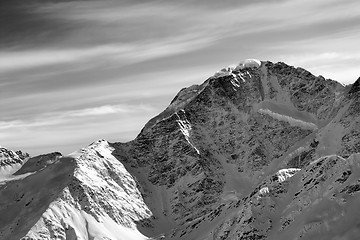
(75, 71)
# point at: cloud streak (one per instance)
(67, 131)
(122, 54)
(56, 118)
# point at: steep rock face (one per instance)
(317, 202)
(350, 121)
(218, 140)
(314, 95)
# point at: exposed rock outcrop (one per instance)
(11, 161)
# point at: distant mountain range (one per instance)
(260, 150)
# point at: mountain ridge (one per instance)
(203, 168)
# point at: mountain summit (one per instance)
(260, 150)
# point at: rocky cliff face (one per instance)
(260, 150)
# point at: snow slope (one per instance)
(101, 201)
(87, 195)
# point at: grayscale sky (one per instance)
(72, 72)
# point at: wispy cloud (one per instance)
(61, 117)
(340, 66)
(68, 131)
(323, 58)
(121, 53)
(124, 33)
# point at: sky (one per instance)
(72, 72)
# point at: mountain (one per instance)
(260, 150)
(11, 161)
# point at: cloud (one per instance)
(103, 110)
(121, 53)
(67, 131)
(340, 66)
(56, 118)
(27, 123)
(111, 22)
(326, 57)
(95, 87)
(21, 26)
(127, 33)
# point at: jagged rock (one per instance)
(8, 157)
(11, 161)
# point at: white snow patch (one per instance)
(84, 225)
(222, 73)
(185, 128)
(235, 82)
(290, 120)
(241, 77)
(225, 71)
(264, 191)
(284, 174)
(106, 227)
(249, 63)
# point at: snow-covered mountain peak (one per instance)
(7, 157)
(235, 68)
(11, 161)
(96, 198)
(248, 63)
